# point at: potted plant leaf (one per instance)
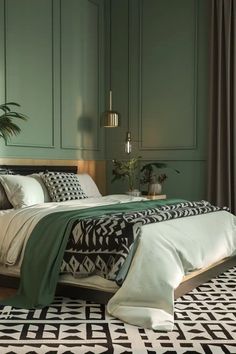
(152, 178)
(8, 127)
(126, 170)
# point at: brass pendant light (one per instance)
(110, 118)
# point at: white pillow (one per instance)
(88, 185)
(22, 190)
(38, 177)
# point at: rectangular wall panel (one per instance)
(81, 73)
(29, 68)
(168, 81)
(2, 78)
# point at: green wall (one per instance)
(159, 82)
(52, 63)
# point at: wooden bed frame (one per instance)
(189, 282)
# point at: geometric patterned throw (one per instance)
(205, 322)
(100, 245)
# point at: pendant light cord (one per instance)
(110, 40)
(128, 143)
(110, 117)
(110, 57)
(128, 120)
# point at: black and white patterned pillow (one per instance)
(63, 186)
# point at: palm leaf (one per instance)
(149, 166)
(7, 127)
(15, 115)
(4, 108)
(12, 104)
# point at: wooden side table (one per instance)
(156, 196)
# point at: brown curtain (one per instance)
(222, 125)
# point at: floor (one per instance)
(205, 322)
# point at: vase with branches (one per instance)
(8, 127)
(150, 176)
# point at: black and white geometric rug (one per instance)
(205, 322)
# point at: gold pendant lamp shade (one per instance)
(110, 117)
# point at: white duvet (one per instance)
(166, 252)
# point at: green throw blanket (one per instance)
(45, 249)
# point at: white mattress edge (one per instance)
(94, 282)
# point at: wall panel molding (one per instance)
(29, 69)
(139, 89)
(81, 72)
(2, 53)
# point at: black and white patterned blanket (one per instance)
(101, 245)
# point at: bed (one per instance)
(132, 307)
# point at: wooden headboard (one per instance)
(95, 168)
(29, 169)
